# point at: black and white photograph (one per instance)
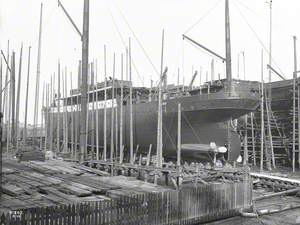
(161, 112)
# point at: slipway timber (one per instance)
(57, 192)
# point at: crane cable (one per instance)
(123, 42)
(136, 38)
(257, 37)
(203, 16)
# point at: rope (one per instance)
(136, 38)
(257, 37)
(123, 42)
(204, 16)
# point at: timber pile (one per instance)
(55, 182)
(29, 153)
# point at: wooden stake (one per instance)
(200, 81)
(245, 161)
(149, 155)
(253, 138)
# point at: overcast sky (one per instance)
(114, 20)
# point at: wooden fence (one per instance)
(190, 205)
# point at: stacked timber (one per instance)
(55, 182)
(30, 153)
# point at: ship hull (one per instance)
(203, 121)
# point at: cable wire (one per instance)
(204, 16)
(136, 38)
(123, 42)
(257, 37)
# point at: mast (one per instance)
(37, 93)
(26, 101)
(85, 58)
(228, 47)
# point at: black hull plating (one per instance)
(203, 121)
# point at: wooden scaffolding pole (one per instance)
(112, 147)
(47, 117)
(13, 105)
(87, 115)
(66, 113)
(37, 87)
(42, 121)
(253, 138)
(130, 105)
(93, 110)
(121, 113)
(105, 111)
(72, 130)
(245, 161)
(294, 104)
(97, 112)
(262, 115)
(26, 100)
(179, 136)
(5, 118)
(58, 110)
(18, 97)
(63, 112)
(159, 120)
(85, 59)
